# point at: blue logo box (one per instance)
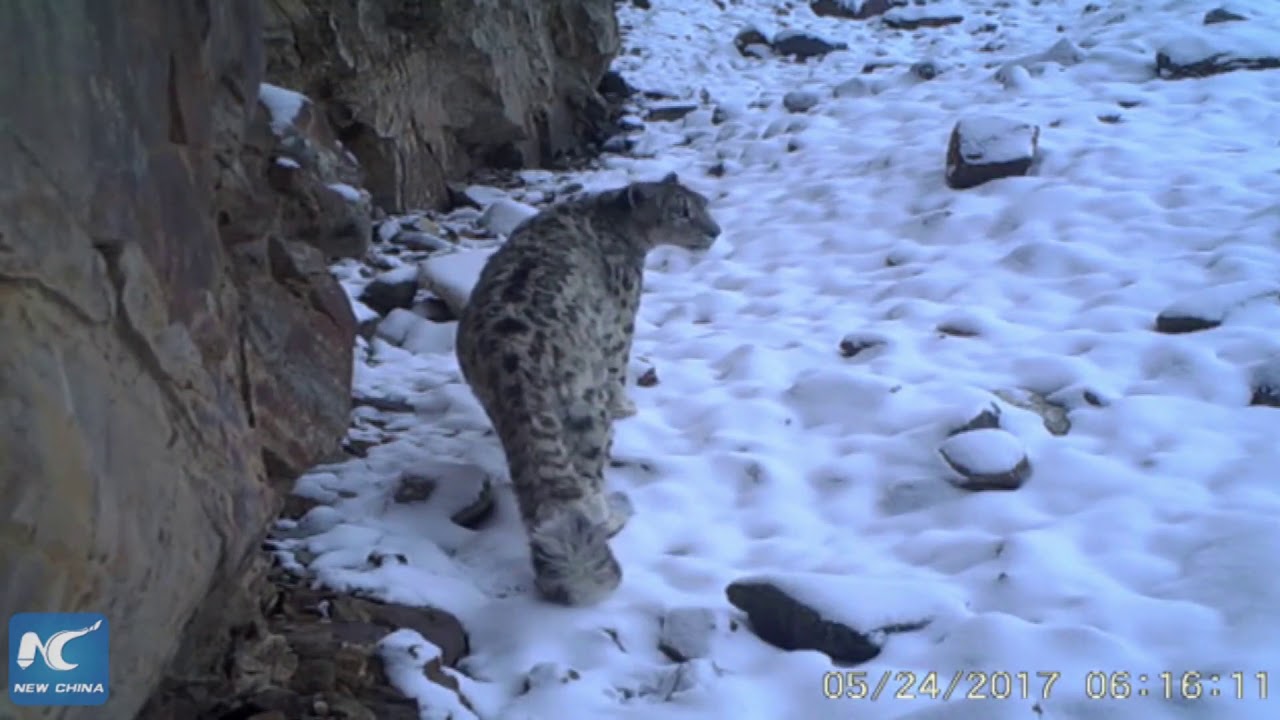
(58, 659)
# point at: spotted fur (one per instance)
(544, 343)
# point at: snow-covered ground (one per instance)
(855, 312)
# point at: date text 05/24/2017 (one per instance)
(995, 685)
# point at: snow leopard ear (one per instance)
(671, 179)
(633, 195)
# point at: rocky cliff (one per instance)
(424, 91)
(173, 350)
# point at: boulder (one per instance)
(1217, 48)
(987, 147)
(424, 92)
(848, 618)
(986, 459)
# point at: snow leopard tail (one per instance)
(571, 558)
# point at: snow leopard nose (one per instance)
(710, 228)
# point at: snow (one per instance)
(283, 105)
(348, 193)
(1145, 542)
(287, 162)
(415, 333)
(404, 653)
(504, 215)
(452, 275)
(989, 139)
(926, 10)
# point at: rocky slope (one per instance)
(174, 348)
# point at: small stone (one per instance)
(1175, 324)
(798, 101)
(648, 378)
(463, 492)
(614, 86)
(391, 290)
(802, 46)
(436, 310)
(474, 514)
(414, 489)
(986, 147)
(1265, 380)
(752, 43)
(986, 460)
(686, 633)
(1208, 308)
(421, 241)
(854, 344)
(987, 419)
(669, 113)
(1222, 15)
(925, 70)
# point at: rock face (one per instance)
(421, 92)
(162, 336)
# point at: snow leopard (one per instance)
(544, 342)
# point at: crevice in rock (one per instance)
(177, 124)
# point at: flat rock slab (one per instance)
(392, 289)
(451, 277)
(802, 46)
(1218, 48)
(987, 459)
(668, 113)
(924, 14)
(849, 619)
(853, 9)
(1222, 15)
(989, 147)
